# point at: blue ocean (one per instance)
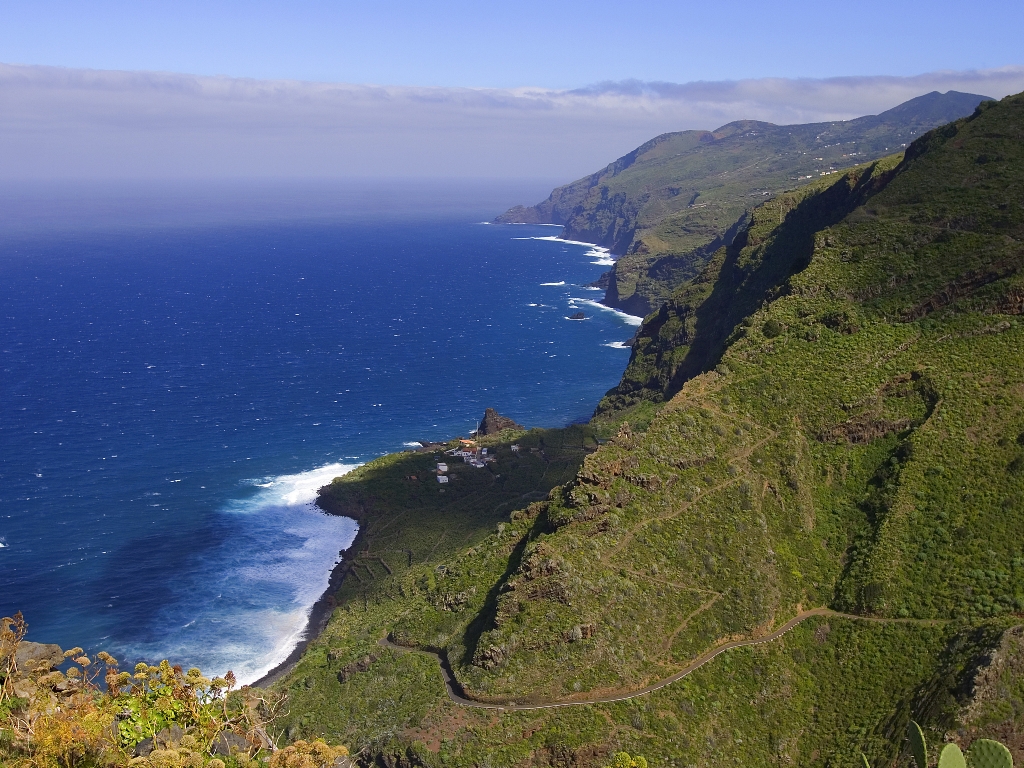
(183, 367)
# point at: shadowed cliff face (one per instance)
(670, 204)
(689, 333)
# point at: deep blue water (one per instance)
(173, 394)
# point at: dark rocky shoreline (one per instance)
(319, 614)
(323, 608)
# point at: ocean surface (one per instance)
(178, 375)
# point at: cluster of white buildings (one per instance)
(471, 454)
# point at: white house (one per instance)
(442, 467)
(442, 478)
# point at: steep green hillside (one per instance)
(406, 517)
(669, 204)
(690, 331)
(840, 450)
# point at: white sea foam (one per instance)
(247, 605)
(617, 345)
(592, 288)
(558, 283)
(290, 490)
(626, 318)
(601, 256)
(413, 444)
(556, 239)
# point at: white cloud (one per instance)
(58, 122)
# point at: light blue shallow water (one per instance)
(173, 395)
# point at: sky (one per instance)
(551, 44)
(318, 88)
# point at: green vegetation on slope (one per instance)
(689, 333)
(406, 517)
(671, 203)
(849, 432)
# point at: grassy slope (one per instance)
(861, 444)
(405, 522)
(670, 203)
(689, 332)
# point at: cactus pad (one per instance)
(952, 757)
(986, 753)
(918, 746)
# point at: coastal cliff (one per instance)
(668, 205)
(814, 460)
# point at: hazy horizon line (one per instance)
(63, 122)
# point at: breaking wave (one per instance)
(245, 604)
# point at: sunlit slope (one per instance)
(671, 202)
(690, 331)
(801, 472)
(850, 434)
(859, 444)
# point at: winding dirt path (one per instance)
(457, 696)
(628, 537)
(667, 645)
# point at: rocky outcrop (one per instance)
(166, 738)
(359, 665)
(227, 744)
(493, 422)
(33, 656)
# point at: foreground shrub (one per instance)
(65, 709)
(307, 754)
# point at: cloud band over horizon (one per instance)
(70, 123)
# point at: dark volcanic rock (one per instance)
(360, 665)
(167, 738)
(493, 423)
(227, 744)
(578, 316)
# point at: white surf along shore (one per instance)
(272, 632)
(628, 319)
(246, 605)
(305, 570)
(602, 256)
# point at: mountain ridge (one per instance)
(670, 203)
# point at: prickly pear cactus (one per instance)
(952, 757)
(918, 746)
(986, 753)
